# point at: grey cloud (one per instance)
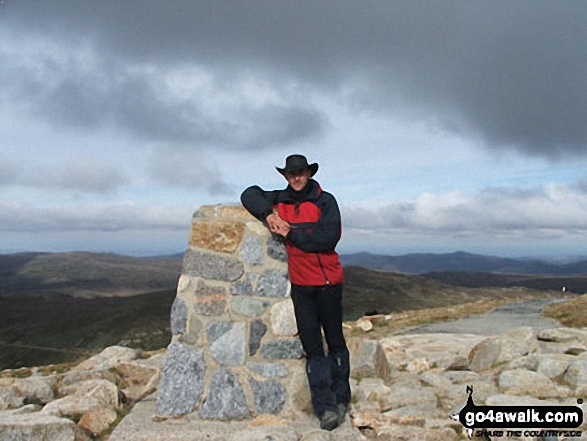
(80, 176)
(187, 170)
(8, 172)
(112, 96)
(124, 216)
(511, 73)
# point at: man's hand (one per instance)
(277, 224)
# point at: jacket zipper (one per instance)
(322, 268)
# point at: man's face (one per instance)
(298, 179)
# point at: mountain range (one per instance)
(419, 263)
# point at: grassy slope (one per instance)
(50, 317)
(385, 292)
(73, 325)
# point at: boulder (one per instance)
(140, 379)
(576, 376)
(108, 359)
(97, 420)
(368, 359)
(503, 348)
(39, 426)
(525, 382)
(10, 397)
(72, 406)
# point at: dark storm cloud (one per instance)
(70, 93)
(511, 73)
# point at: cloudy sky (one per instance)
(439, 126)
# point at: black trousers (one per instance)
(317, 308)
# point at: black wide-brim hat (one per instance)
(295, 163)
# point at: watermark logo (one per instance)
(497, 421)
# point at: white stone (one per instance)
(283, 319)
(576, 376)
(371, 389)
(10, 397)
(71, 405)
(39, 426)
(365, 325)
(108, 358)
(37, 389)
(97, 420)
(525, 382)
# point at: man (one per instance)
(309, 221)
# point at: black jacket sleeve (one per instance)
(323, 235)
(259, 202)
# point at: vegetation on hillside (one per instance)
(572, 313)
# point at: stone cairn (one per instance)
(234, 352)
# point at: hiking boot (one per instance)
(329, 420)
(342, 411)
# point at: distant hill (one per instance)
(86, 274)
(420, 263)
(367, 291)
(572, 284)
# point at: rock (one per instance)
(273, 283)
(576, 376)
(104, 391)
(228, 342)
(366, 414)
(525, 382)
(553, 365)
(212, 266)
(412, 433)
(371, 389)
(182, 381)
(179, 315)
(257, 330)
(283, 319)
(269, 396)
(37, 390)
(140, 379)
(276, 248)
(108, 359)
(242, 288)
(367, 359)
(421, 352)
(73, 377)
(72, 406)
(226, 399)
(283, 348)
(209, 300)
(412, 415)
(10, 397)
(216, 235)
(503, 348)
(98, 420)
(365, 325)
(563, 335)
(424, 397)
(248, 306)
(39, 426)
(299, 389)
(252, 251)
(268, 370)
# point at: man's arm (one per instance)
(259, 202)
(322, 235)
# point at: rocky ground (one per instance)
(405, 387)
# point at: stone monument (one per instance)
(234, 352)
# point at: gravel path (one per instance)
(496, 321)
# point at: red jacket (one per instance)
(314, 218)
